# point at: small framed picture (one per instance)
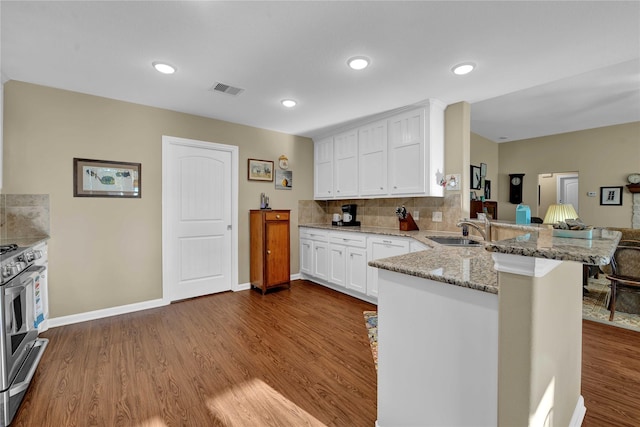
(260, 170)
(475, 177)
(106, 178)
(487, 189)
(473, 195)
(284, 180)
(483, 169)
(611, 196)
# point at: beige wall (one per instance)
(107, 252)
(603, 157)
(484, 150)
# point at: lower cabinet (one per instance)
(339, 259)
(382, 247)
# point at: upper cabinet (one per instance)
(395, 156)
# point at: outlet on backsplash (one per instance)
(436, 217)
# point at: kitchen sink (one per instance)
(455, 241)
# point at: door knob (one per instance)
(268, 252)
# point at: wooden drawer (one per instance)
(358, 240)
(276, 216)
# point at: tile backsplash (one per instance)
(381, 212)
(24, 215)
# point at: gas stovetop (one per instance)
(14, 259)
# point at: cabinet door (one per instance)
(382, 248)
(320, 260)
(337, 264)
(323, 168)
(306, 258)
(277, 252)
(357, 269)
(372, 156)
(345, 149)
(406, 139)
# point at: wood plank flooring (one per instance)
(296, 357)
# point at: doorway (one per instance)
(199, 218)
(557, 187)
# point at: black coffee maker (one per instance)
(349, 215)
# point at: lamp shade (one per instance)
(560, 212)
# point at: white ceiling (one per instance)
(542, 67)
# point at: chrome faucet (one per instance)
(465, 224)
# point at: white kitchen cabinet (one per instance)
(407, 153)
(345, 164)
(323, 169)
(396, 155)
(321, 260)
(314, 252)
(357, 270)
(372, 159)
(337, 264)
(382, 247)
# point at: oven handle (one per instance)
(39, 346)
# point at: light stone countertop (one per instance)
(472, 267)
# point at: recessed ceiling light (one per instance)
(289, 103)
(464, 68)
(358, 62)
(164, 68)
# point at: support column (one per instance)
(539, 341)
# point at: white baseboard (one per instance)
(123, 309)
(107, 312)
(578, 413)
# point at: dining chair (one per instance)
(625, 275)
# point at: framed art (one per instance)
(487, 189)
(475, 177)
(106, 178)
(611, 196)
(260, 170)
(284, 180)
(483, 169)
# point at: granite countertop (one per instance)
(472, 267)
(24, 241)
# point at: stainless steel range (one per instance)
(20, 347)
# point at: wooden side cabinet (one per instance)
(478, 206)
(270, 253)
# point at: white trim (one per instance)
(234, 150)
(524, 265)
(578, 413)
(106, 312)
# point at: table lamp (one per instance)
(560, 212)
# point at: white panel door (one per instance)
(406, 139)
(198, 223)
(378, 248)
(568, 191)
(337, 264)
(357, 269)
(372, 154)
(345, 148)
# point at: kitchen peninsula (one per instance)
(485, 336)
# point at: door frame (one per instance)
(234, 150)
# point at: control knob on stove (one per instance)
(12, 269)
(31, 255)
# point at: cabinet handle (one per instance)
(382, 188)
(268, 252)
(277, 216)
(337, 191)
(387, 241)
(395, 187)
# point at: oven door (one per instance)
(18, 332)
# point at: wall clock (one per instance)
(515, 188)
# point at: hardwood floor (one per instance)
(610, 375)
(296, 357)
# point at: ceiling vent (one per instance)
(229, 90)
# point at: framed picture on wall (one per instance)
(483, 169)
(106, 178)
(475, 177)
(611, 196)
(260, 170)
(487, 189)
